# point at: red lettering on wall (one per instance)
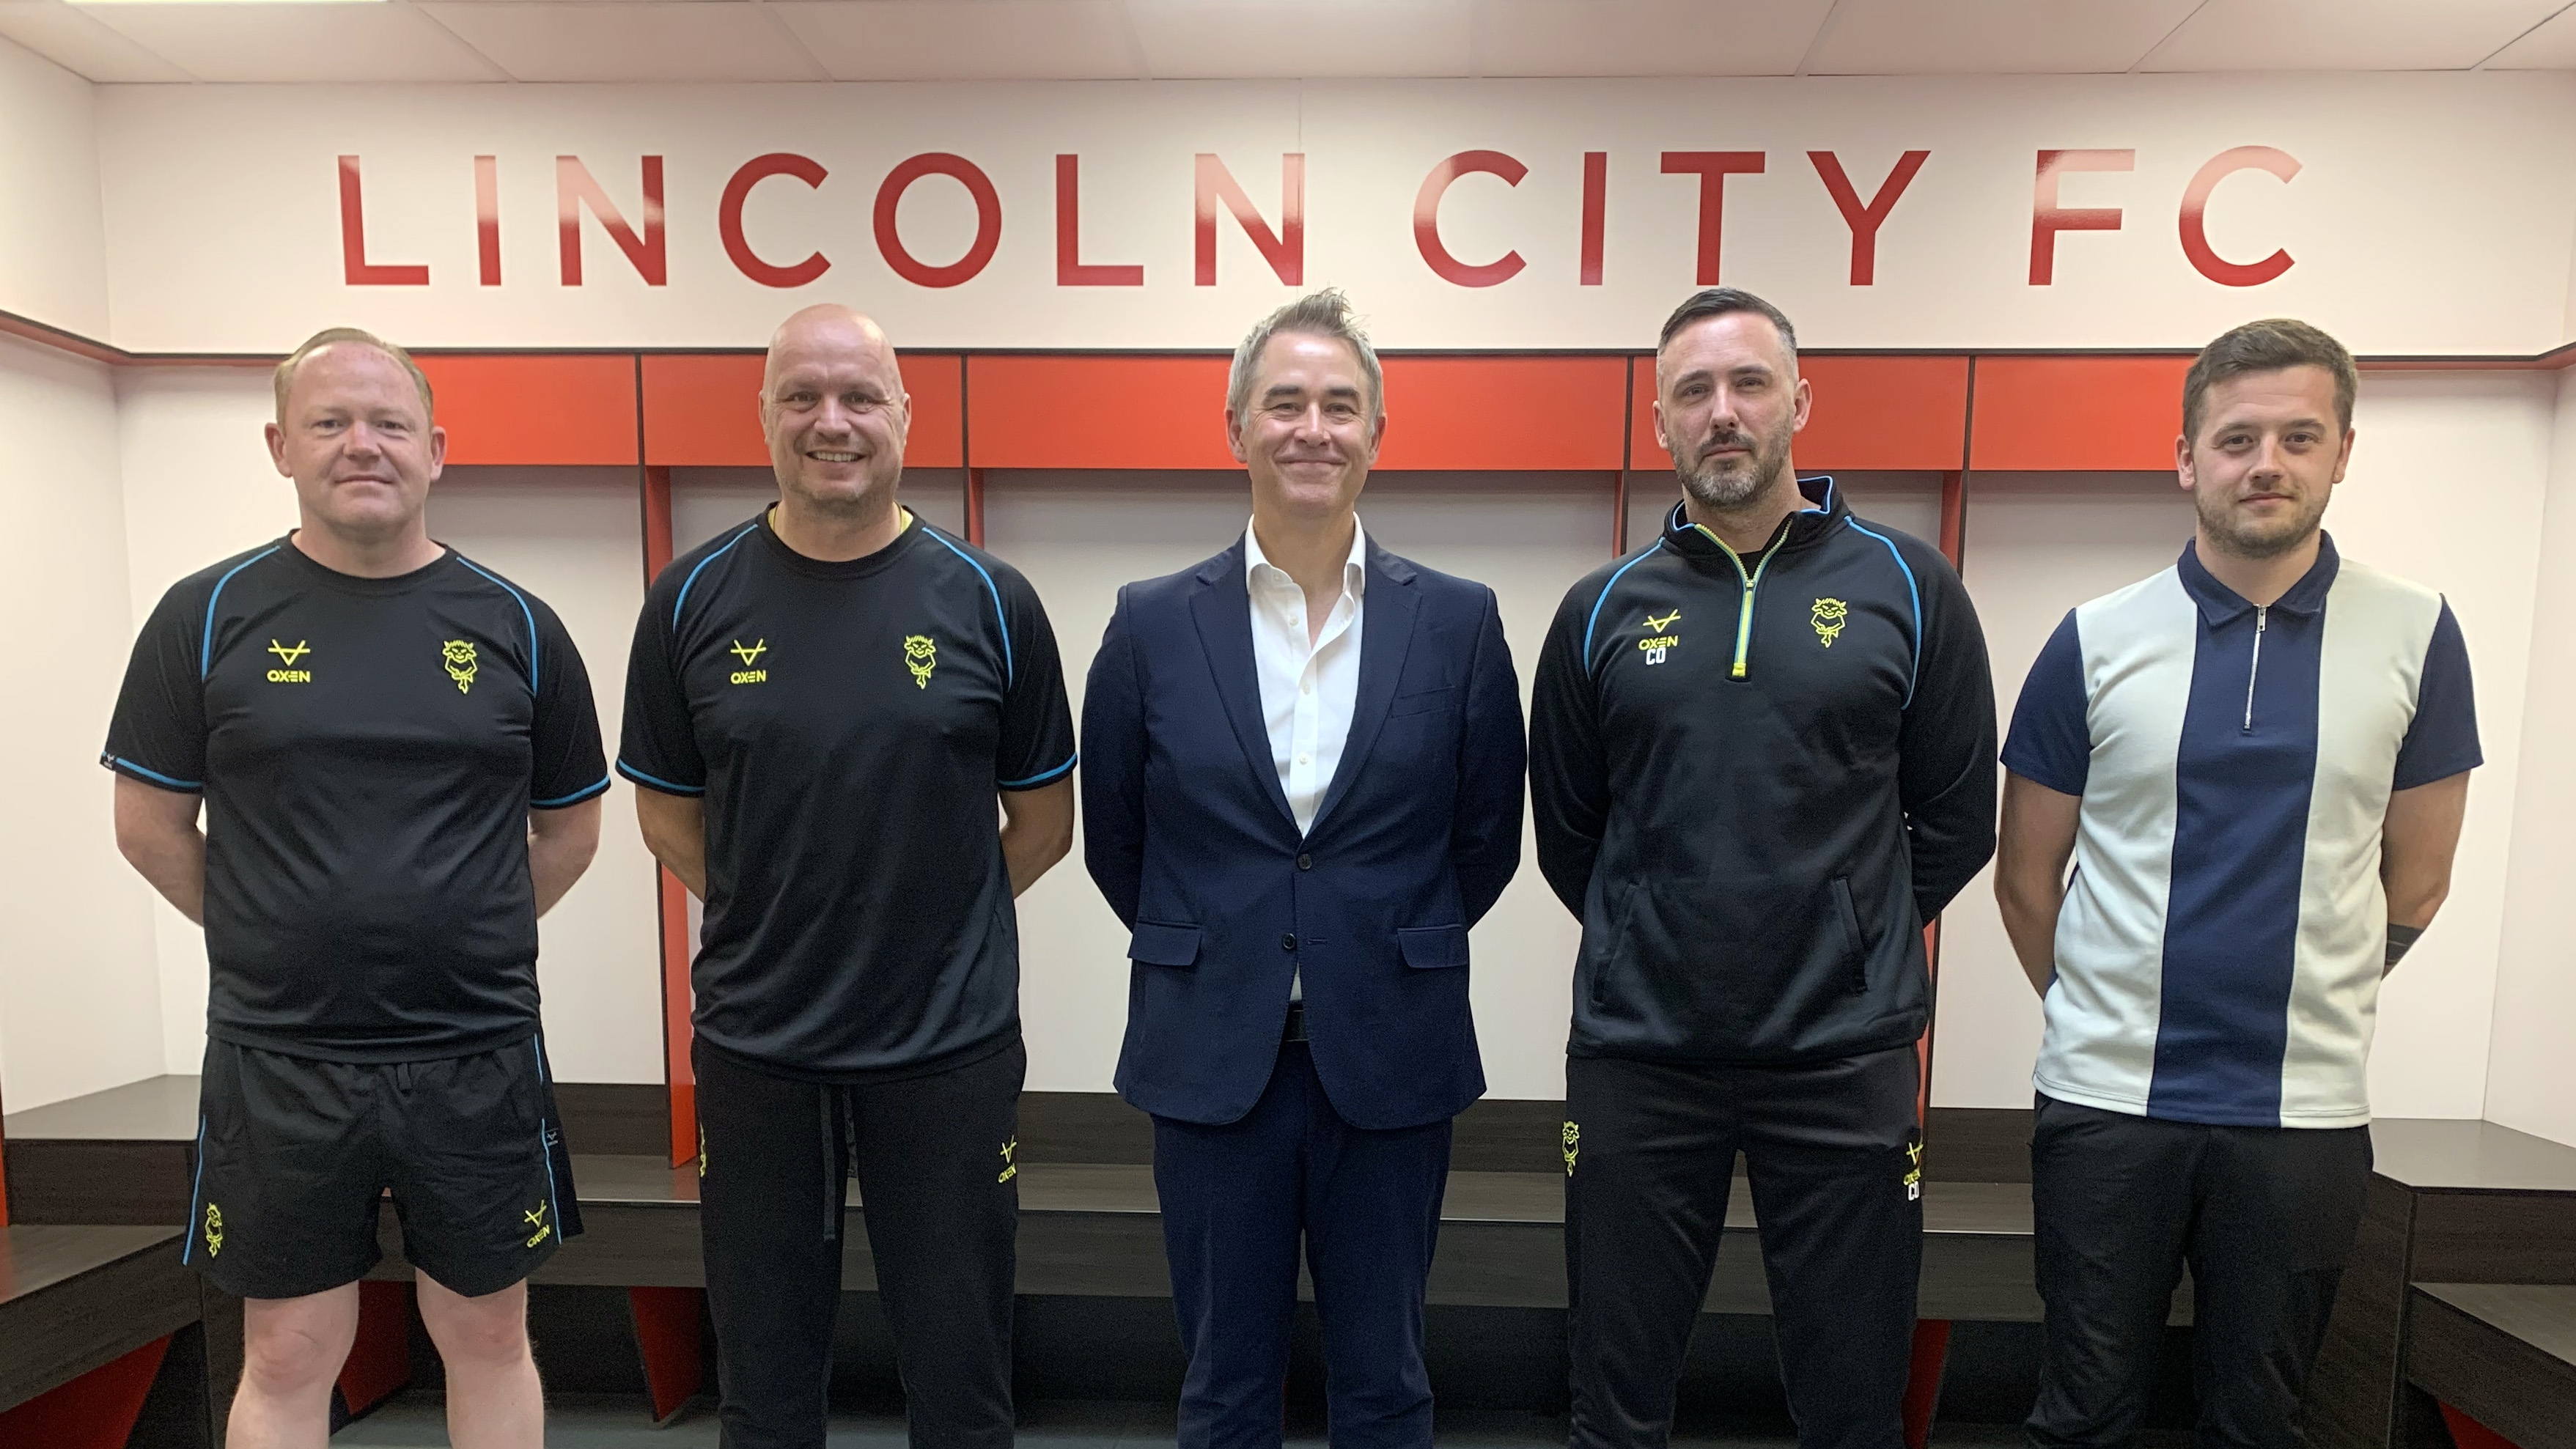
(737, 247)
(487, 220)
(988, 219)
(1426, 219)
(1284, 249)
(1070, 269)
(1712, 168)
(354, 266)
(2047, 218)
(1864, 221)
(2195, 206)
(1596, 199)
(575, 189)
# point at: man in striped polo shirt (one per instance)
(2257, 761)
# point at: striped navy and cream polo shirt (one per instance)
(2220, 949)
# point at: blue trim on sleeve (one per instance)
(575, 798)
(739, 535)
(657, 782)
(524, 612)
(1914, 592)
(1595, 617)
(119, 762)
(206, 642)
(1008, 676)
(1042, 776)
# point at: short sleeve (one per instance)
(2051, 742)
(158, 733)
(1036, 745)
(2443, 740)
(569, 765)
(660, 748)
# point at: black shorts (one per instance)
(294, 1156)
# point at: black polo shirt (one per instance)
(848, 724)
(368, 750)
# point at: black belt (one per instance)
(1295, 1030)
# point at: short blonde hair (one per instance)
(330, 336)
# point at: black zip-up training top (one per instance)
(1754, 781)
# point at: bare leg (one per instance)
(493, 1400)
(292, 1349)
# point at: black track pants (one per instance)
(933, 1159)
(2264, 1215)
(1832, 1150)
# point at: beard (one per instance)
(2242, 537)
(1725, 484)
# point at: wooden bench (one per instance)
(2501, 1354)
(86, 1317)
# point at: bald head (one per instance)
(833, 405)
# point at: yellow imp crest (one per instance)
(458, 655)
(920, 656)
(1828, 618)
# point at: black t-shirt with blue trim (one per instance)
(848, 724)
(368, 750)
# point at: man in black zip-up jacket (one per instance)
(1762, 757)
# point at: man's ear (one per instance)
(276, 436)
(1234, 435)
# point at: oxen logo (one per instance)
(458, 655)
(920, 656)
(1828, 617)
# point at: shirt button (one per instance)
(1288, 942)
(1305, 862)
(1305, 689)
(1301, 759)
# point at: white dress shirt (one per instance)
(1307, 689)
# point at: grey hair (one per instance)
(1317, 314)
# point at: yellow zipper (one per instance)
(1752, 582)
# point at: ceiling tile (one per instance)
(1916, 37)
(67, 36)
(300, 42)
(2345, 34)
(966, 39)
(1281, 40)
(2550, 46)
(672, 41)
(1644, 37)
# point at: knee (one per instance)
(489, 1331)
(290, 1359)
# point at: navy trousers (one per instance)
(1237, 1201)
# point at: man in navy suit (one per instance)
(1302, 786)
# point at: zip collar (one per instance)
(2220, 605)
(1824, 509)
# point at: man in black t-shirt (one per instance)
(823, 703)
(400, 767)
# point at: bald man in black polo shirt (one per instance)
(823, 703)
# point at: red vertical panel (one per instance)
(95, 1411)
(2077, 413)
(1563, 413)
(680, 1080)
(379, 1361)
(541, 409)
(668, 1339)
(1050, 412)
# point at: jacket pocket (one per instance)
(1613, 950)
(1421, 701)
(1430, 948)
(1156, 943)
(1855, 946)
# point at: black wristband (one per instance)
(2399, 939)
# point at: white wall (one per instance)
(2446, 487)
(80, 1000)
(2531, 1072)
(53, 241)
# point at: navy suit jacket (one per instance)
(1189, 835)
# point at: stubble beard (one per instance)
(2261, 541)
(1723, 487)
